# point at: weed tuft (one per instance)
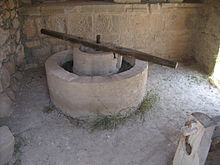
(19, 142)
(112, 121)
(48, 109)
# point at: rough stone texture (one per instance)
(166, 30)
(90, 95)
(207, 41)
(20, 54)
(5, 105)
(4, 36)
(7, 142)
(11, 53)
(5, 77)
(29, 28)
(127, 1)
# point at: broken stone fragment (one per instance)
(7, 142)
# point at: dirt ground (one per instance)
(51, 139)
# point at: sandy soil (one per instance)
(51, 139)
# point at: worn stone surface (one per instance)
(42, 53)
(10, 65)
(166, 30)
(10, 93)
(4, 36)
(5, 105)
(20, 54)
(98, 94)
(82, 25)
(127, 1)
(33, 43)
(7, 142)
(29, 28)
(56, 23)
(207, 40)
(5, 77)
(10, 52)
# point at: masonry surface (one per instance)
(164, 30)
(11, 54)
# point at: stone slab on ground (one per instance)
(5, 105)
(7, 142)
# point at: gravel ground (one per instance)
(51, 139)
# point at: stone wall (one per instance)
(207, 41)
(165, 30)
(11, 54)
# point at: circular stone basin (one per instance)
(80, 96)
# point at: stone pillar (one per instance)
(87, 61)
(6, 145)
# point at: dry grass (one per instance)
(111, 122)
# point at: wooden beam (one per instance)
(109, 47)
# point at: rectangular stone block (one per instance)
(127, 1)
(80, 25)
(6, 145)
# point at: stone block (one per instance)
(175, 1)
(42, 53)
(176, 20)
(10, 93)
(29, 28)
(15, 23)
(80, 25)
(18, 37)
(20, 54)
(56, 23)
(6, 14)
(5, 105)
(18, 75)
(40, 24)
(33, 43)
(5, 77)
(7, 143)
(103, 24)
(2, 55)
(13, 14)
(10, 4)
(12, 45)
(14, 84)
(26, 1)
(4, 36)
(58, 48)
(10, 65)
(127, 1)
